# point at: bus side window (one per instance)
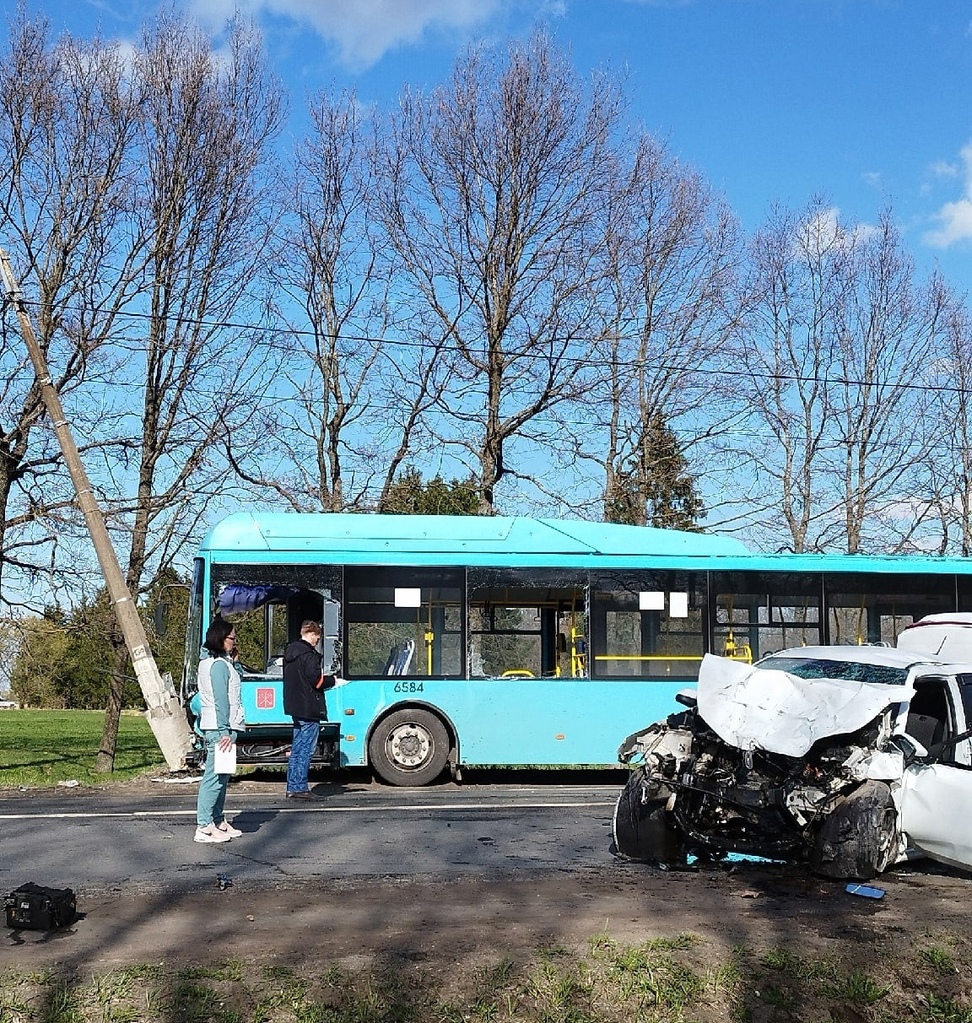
(403, 621)
(646, 624)
(527, 623)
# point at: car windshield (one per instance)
(852, 671)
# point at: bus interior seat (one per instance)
(400, 658)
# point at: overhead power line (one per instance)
(651, 366)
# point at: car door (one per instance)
(936, 799)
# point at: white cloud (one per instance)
(825, 230)
(873, 178)
(944, 169)
(954, 219)
(362, 31)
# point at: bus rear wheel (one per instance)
(409, 748)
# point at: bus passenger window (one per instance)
(647, 624)
(527, 623)
(871, 608)
(759, 613)
(403, 621)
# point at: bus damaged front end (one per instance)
(266, 614)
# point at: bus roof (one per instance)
(260, 537)
(471, 534)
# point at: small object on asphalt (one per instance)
(868, 891)
(223, 882)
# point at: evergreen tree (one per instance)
(408, 495)
(653, 486)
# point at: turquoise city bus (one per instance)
(515, 642)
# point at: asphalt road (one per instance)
(140, 841)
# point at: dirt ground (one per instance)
(916, 941)
(752, 906)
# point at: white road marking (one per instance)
(94, 815)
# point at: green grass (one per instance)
(683, 979)
(44, 747)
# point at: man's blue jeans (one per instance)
(302, 749)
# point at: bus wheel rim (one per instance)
(409, 746)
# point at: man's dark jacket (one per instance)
(303, 683)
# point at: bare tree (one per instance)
(948, 497)
(66, 130)
(358, 393)
(493, 196)
(838, 323)
(672, 254)
(206, 121)
(889, 327)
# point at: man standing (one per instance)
(303, 691)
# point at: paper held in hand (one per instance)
(224, 761)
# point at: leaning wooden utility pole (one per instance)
(164, 713)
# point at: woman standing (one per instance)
(220, 717)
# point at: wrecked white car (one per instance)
(847, 758)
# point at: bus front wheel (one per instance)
(409, 747)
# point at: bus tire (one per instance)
(409, 748)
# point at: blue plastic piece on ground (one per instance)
(866, 890)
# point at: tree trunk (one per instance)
(105, 761)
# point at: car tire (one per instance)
(859, 838)
(643, 829)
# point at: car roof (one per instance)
(885, 655)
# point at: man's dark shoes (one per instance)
(301, 795)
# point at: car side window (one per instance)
(929, 715)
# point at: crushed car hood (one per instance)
(768, 709)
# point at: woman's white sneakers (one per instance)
(227, 829)
(211, 833)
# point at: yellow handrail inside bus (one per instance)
(737, 651)
(743, 653)
(578, 653)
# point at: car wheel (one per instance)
(409, 748)
(643, 829)
(860, 837)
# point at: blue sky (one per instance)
(865, 102)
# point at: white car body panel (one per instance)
(758, 708)
(936, 811)
(940, 635)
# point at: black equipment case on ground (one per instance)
(38, 908)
